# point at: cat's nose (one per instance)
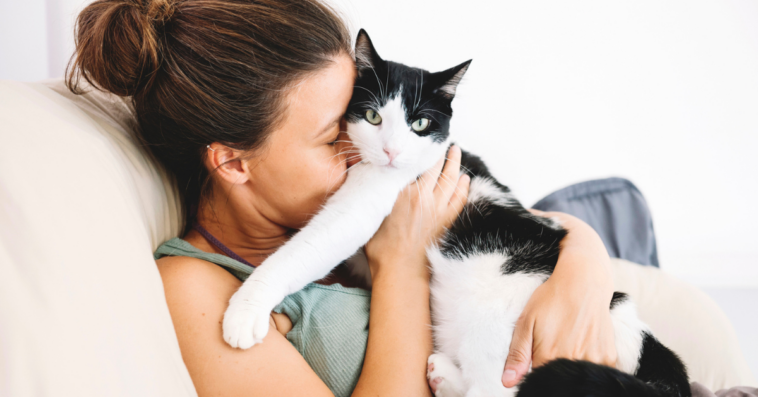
(391, 154)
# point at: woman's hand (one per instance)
(421, 213)
(569, 315)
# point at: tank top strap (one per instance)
(179, 247)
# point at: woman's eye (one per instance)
(420, 124)
(336, 139)
(373, 117)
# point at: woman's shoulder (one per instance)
(189, 279)
(188, 248)
(188, 270)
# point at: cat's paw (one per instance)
(246, 320)
(444, 376)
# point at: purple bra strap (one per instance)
(220, 245)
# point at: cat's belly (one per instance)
(475, 307)
(474, 296)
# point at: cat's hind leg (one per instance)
(445, 376)
(482, 359)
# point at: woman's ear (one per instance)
(225, 161)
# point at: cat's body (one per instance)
(484, 269)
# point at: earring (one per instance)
(209, 147)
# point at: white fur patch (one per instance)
(485, 189)
(628, 329)
(552, 222)
(474, 310)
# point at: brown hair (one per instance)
(203, 71)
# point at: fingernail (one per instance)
(509, 375)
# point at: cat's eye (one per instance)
(373, 117)
(420, 124)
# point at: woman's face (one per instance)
(304, 160)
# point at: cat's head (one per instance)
(399, 116)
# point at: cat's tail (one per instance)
(567, 378)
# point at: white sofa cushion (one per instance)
(82, 310)
(688, 322)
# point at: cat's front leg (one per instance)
(246, 320)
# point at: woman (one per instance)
(243, 101)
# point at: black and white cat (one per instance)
(484, 269)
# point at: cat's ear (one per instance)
(366, 56)
(448, 79)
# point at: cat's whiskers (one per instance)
(387, 83)
(331, 185)
(420, 90)
(458, 192)
(343, 151)
(381, 89)
(425, 185)
(434, 110)
(474, 205)
(421, 202)
(428, 115)
(427, 101)
(377, 103)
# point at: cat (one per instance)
(484, 268)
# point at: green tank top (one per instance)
(329, 322)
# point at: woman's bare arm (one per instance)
(197, 293)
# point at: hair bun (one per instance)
(160, 11)
(118, 48)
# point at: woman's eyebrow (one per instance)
(328, 126)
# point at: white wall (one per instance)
(36, 37)
(664, 93)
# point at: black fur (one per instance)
(662, 368)
(660, 373)
(566, 378)
(618, 298)
(531, 243)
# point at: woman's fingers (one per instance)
(448, 179)
(460, 194)
(536, 211)
(428, 180)
(520, 353)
